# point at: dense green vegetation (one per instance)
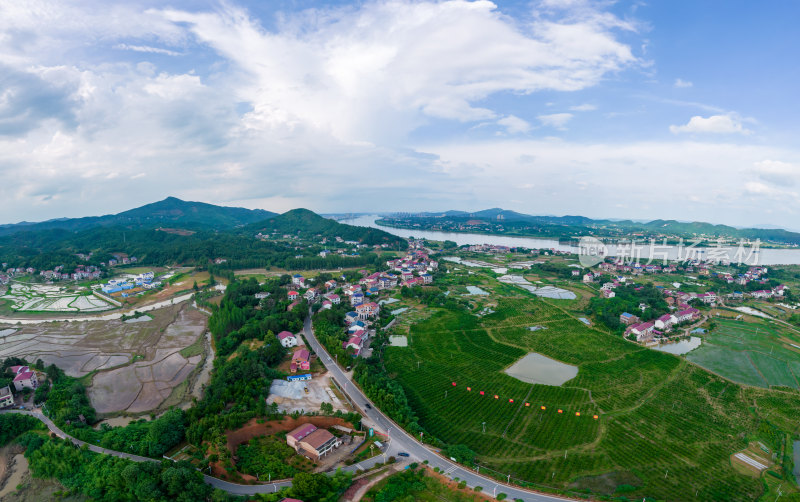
(306, 224)
(147, 438)
(107, 478)
(627, 299)
(170, 211)
(656, 413)
(13, 425)
(46, 248)
(270, 456)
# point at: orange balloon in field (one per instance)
(560, 411)
(544, 408)
(527, 404)
(496, 396)
(510, 400)
(469, 389)
(577, 413)
(596, 417)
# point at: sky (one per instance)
(631, 109)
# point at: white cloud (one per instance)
(715, 124)
(682, 84)
(721, 173)
(777, 172)
(556, 120)
(146, 48)
(586, 107)
(377, 72)
(514, 125)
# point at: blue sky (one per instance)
(632, 109)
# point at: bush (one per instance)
(462, 485)
(478, 488)
(501, 496)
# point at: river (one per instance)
(760, 256)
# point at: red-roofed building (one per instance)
(300, 360)
(293, 295)
(24, 377)
(287, 339)
(367, 310)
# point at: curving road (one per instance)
(227, 486)
(400, 441)
(403, 441)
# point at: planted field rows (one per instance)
(660, 420)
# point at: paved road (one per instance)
(402, 441)
(232, 488)
(399, 441)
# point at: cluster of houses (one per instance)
(413, 269)
(24, 378)
(650, 330)
(82, 272)
(144, 280)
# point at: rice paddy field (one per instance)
(664, 426)
(134, 367)
(757, 353)
(23, 297)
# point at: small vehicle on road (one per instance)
(368, 406)
(402, 454)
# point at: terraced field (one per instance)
(753, 353)
(662, 421)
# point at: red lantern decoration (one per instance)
(577, 413)
(510, 400)
(454, 384)
(496, 396)
(527, 404)
(481, 393)
(560, 411)
(544, 408)
(596, 417)
(469, 389)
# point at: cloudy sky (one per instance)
(637, 109)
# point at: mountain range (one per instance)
(170, 212)
(572, 225)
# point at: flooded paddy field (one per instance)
(536, 368)
(138, 364)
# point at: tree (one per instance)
(461, 453)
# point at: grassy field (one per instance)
(666, 423)
(751, 352)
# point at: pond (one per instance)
(682, 347)
(536, 368)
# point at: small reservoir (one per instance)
(682, 347)
(536, 368)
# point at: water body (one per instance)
(765, 256)
(682, 347)
(536, 368)
(475, 290)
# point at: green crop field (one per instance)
(662, 421)
(752, 353)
